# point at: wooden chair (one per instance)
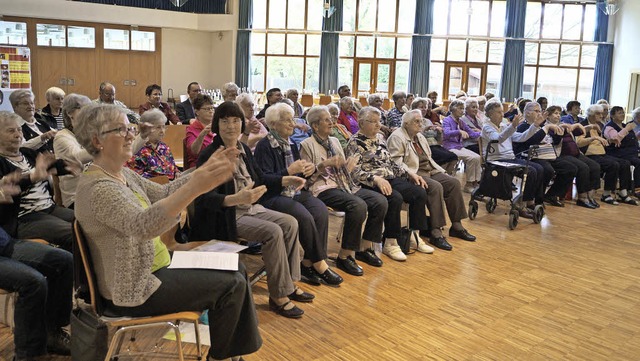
(306, 100)
(325, 99)
(363, 101)
(124, 324)
(174, 138)
(161, 179)
(386, 104)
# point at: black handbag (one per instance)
(404, 240)
(90, 340)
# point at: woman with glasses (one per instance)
(154, 158)
(123, 215)
(199, 134)
(230, 211)
(37, 133)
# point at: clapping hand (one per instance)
(249, 195)
(217, 170)
(293, 181)
(9, 187)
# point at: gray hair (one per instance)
(288, 102)
(313, 116)
(399, 94)
(492, 104)
(469, 101)
(373, 97)
(53, 91)
(603, 102)
(635, 115)
(20, 94)
(71, 103)
(345, 100)
(228, 87)
(153, 116)
(410, 116)
(366, 113)
(333, 109)
(489, 96)
(92, 120)
(455, 104)
(417, 101)
(481, 98)
(244, 98)
(530, 105)
(291, 92)
(6, 116)
(594, 108)
(275, 112)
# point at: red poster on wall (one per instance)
(15, 66)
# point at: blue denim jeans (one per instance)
(43, 277)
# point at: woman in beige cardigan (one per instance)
(409, 149)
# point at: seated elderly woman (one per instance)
(338, 130)
(292, 94)
(52, 112)
(394, 116)
(37, 133)
(482, 101)
(376, 101)
(624, 146)
(230, 92)
(229, 212)
(254, 130)
(455, 132)
(154, 101)
(154, 158)
(410, 150)
(66, 147)
(33, 213)
(376, 171)
(588, 170)
(279, 158)
(474, 121)
(332, 184)
(123, 215)
(432, 131)
(348, 117)
(199, 134)
(496, 130)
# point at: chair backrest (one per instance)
(306, 100)
(363, 101)
(82, 262)
(174, 138)
(325, 99)
(161, 179)
(386, 104)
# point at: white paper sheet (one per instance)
(205, 260)
(220, 246)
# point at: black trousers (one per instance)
(614, 170)
(588, 172)
(563, 171)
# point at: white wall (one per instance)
(625, 53)
(192, 49)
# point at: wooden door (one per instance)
(143, 71)
(115, 70)
(52, 71)
(81, 72)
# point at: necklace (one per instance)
(118, 178)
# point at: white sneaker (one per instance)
(394, 252)
(422, 247)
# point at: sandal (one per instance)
(293, 312)
(609, 200)
(629, 200)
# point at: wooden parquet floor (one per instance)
(567, 289)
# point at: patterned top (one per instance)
(151, 162)
(394, 118)
(374, 160)
(35, 198)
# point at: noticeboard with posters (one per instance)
(15, 70)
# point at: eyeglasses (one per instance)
(26, 104)
(123, 131)
(232, 121)
(207, 109)
(372, 121)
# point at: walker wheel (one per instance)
(513, 219)
(491, 205)
(538, 213)
(473, 209)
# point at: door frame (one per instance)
(465, 75)
(374, 75)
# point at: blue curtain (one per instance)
(419, 64)
(329, 62)
(513, 63)
(512, 69)
(243, 44)
(421, 48)
(602, 26)
(602, 73)
(329, 50)
(192, 6)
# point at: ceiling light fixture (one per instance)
(328, 9)
(609, 7)
(178, 3)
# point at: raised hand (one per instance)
(293, 181)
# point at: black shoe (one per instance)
(440, 242)
(462, 234)
(369, 257)
(330, 277)
(349, 265)
(310, 275)
(305, 297)
(584, 204)
(293, 312)
(593, 201)
(58, 342)
(553, 201)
